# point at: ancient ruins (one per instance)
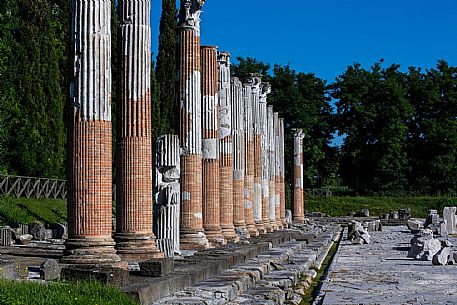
(201, 215)
(220, 180)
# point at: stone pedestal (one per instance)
(190, 133)
(167, 194)
(238, 157)
(210, 147)
(299, 208)
(89, 165)
(225, 149)
(134, 238)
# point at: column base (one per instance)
(242, 231)
(299, 220)
(261, 227)
(90, 251)
(274, 225)
(252, 229)
(268, 226)
(196, 241)
(133, 247)
(215, 237)
(230, 234)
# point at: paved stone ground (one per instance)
(380, 273)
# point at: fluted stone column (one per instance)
(249, 161)
(167, 194)
(134, 237)
(89, 137)
(264, 159)
(282, 172)
(210, 147)
(238, 157)
(277, 177)
(271, 168)
(259, 123)
(299, 209)
(190, 134)
(225, 149)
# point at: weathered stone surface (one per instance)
(39, 231)
(50, 270)
(450, 218)
(415, 225)
(9, 270)
(404, 214)
(432, 218)
(380, 274)
(24, 239)
(289, 216)
(299, 209)
(357, 234)
(105, 274)
(5, 236)
(59, 231)
(157, 267)
(442, 257)
(424, 247)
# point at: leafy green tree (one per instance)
(372, 112)
(165, 109)
(246, 66)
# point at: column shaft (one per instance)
(238, 157)
(282, 172)
(271, 168)
(298, 214)
(190, 134)
(225, 149)
(210, 147)
(89, 137)
(277, 178)
(249, 161)
(134, 236)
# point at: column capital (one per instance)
(298, 133)
(189, 15)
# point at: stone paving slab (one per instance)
(380, 273)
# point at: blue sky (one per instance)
(325, 36)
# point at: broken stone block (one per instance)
(404, 214)
(415, 225)
(432, 218)
(105, 274)
(445, 242)
(442, 257)
(157, 267)
(39, 231)
(9, 270)
(357, 234)
(450, 218)
(24, 239)
(424, 247)
(394, 215)
(5, 236)
(50, 270)
(288, 216)
(442, 229)
(59, 231)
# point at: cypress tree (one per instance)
(166, 71)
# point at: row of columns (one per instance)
(230, 161)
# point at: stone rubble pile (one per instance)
(358, 232)
(430, 241)
(35, 231)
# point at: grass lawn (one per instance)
(24, 211)
(61, 293)
(340, 206)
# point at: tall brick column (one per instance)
(259, 123)
(238, 157)
(249, 161)
(210, 147)
(190, 134)
(299, 209)
(225, 149)
(89, 137)
(277, 156)
(272, 169)
(282, 172)
(134, 237)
